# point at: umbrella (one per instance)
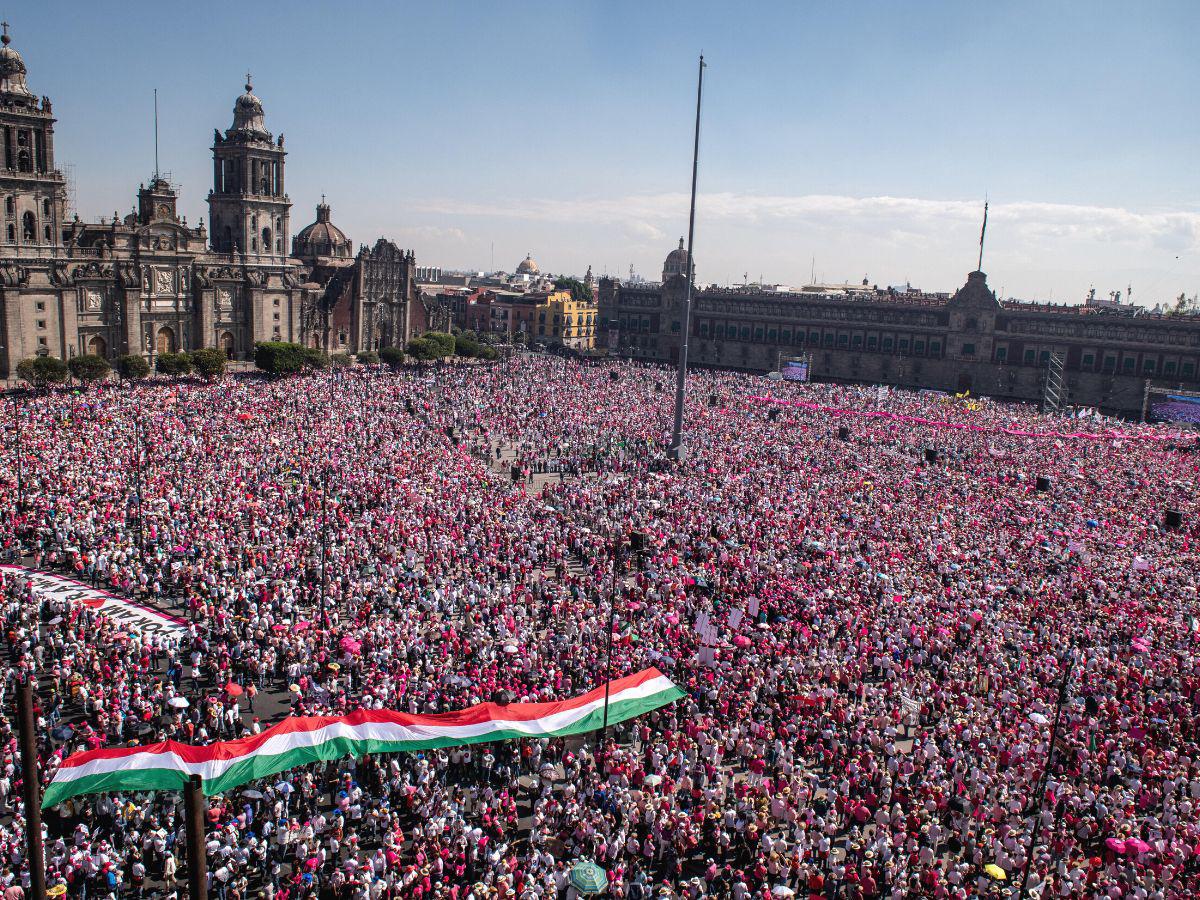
(350, 645)
(995, 871)
(652, 780)
(510, 648)
(1137, 845)
(335, 667)
(233, 689)
(588, 878)
(252, 794)
(56, 620)
(179, 702)
(782, 890)
(1039, 718)
(1115, 844)
(62, 733)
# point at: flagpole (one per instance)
(982, 232)
(31, 790)
(195, 808)
(677, 450)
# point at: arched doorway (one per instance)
(315, 340)
(226, 343)
(97, 346)
(165, 341)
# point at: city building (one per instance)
(1096, 355)
(148, 282)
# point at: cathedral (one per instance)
(149, 283)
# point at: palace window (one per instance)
(1168, 368)
(1088, 361)
(872, 342)
(918, 346)
(1129, 363)
(1001, 354)
(1110, 364)
(1030, 357)
(758, 334)
(903, 345)
(968, 349)
(887, 345)
(1148, 366)
(857, 342)
(1188, 369)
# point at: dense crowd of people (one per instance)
(877, 647)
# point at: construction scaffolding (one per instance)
(1052, 387)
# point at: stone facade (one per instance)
(148, 283)
(968, 341)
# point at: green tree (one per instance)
(579, 290)
(173, 364)
(488, 352)
(42, 371)
(315, 359)
(132, 367)
(210, 362)
(422, 349)
(89, 367)
(442, 343)
(368, 358)
(466, 344)
(341, 360)
(393, 356)
(279, 357)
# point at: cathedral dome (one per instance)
(12, 70)
(527, 266)
(248, 113)
(321, 238)
(676, 263)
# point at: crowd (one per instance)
(877, 648)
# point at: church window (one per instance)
(46, 207)
(9, 205)
(23, 163)
(266, 238)
(46, 231)
(28, 226)
(278, 245)
(12, 234)
(254, 244)
(228, 239)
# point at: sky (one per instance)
(839, 141)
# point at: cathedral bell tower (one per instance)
(33, 192)
(248, 209)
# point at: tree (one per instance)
(42, 371)
(173, 364)
(422, 348)
(488, 352)
(369, 358)
(579, 290)
(315, 359)
(466, 344)
(442, 343)
(279, 357)
(132, 367)
(209, 362)
(341, 360)
(89, 367)
(392, 356)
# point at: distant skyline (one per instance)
(854, 141)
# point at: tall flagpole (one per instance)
(982, 232)
(677, 450)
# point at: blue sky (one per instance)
(864, 135)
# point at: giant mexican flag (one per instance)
(305, 739)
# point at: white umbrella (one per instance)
(179, 702)
(652, 780)
(782, 890)
(1039, 718)
(510, 648)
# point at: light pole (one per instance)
(617, 565)
(20, 461)
(677, 450)
(137, 474)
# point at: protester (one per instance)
(876, 648)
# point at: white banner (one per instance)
(735, 618)
(136, 617)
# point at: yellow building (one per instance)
(560, 319)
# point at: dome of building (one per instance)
(12, 70)
(676, 263)
(527, 266)
(321, 238)
(248, 113)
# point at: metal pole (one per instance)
(325, 519)
(195, 808)
(612, 621)
(31, 790)
(677, 450)
(20, 461)
(1041, 787)
(137, 469)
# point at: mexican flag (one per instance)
(304, 739)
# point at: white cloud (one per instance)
(638, 230)
(432, 232)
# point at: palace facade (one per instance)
(150, 283)
(1098, 356)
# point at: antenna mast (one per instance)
(156, 134)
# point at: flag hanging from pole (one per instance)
(299, 740)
